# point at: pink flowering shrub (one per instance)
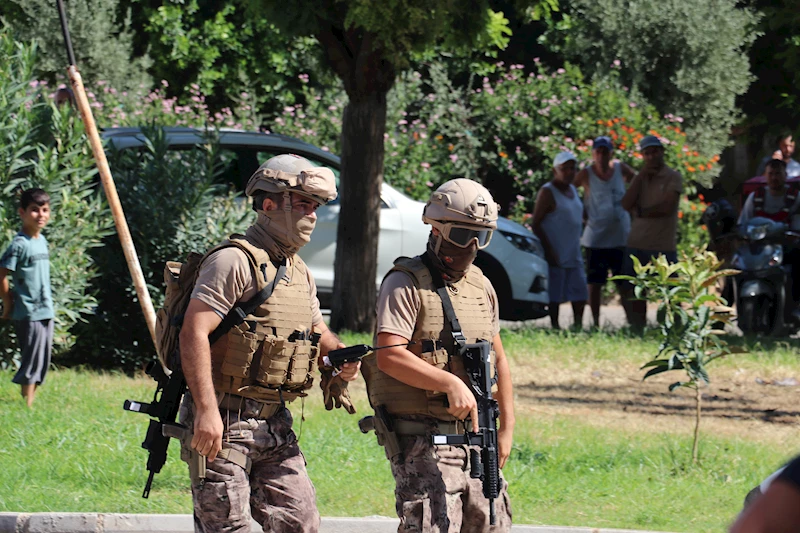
(113, 108)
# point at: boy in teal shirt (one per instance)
(30, 304)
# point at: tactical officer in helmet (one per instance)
(238, 387)
(419, 389)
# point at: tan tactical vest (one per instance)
(270, 357)
(433, 340)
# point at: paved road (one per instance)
(142, 523)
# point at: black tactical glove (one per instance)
(334, 391)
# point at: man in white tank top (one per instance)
(558, 221)
(607, 223)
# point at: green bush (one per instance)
(173, 205)
(41, 146)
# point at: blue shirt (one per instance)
(28, 260)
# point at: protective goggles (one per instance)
(462, 236)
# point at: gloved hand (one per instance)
(334, 391)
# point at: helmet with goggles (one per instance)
(289, 173)
(463, 211)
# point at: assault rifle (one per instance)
(484, 465)
(164, 409)
(351, 354)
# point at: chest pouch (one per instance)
(302, 366)
(437, 356)
(287, 364)
(241, 347)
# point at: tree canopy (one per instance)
(687, 58)
(101, 34)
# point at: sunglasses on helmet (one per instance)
(462, 236)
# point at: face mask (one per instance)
(451, 260)
(289, 230)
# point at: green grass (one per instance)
(78, 451)
(628, 349)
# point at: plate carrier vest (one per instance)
(270, 357)
(789, 195)
(434, 341)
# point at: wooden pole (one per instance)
(108, 182)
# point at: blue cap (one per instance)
(650, 140)
(603, 142)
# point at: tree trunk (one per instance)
(698, 403)
(367, 75)
(355, 268)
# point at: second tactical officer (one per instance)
(420, 390)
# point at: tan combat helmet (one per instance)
(463, 211)
(288, 173)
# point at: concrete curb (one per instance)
(176, 523)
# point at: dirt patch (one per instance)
(739, 402)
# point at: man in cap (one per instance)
(652, 199)
(238, 386)
(558, 221)
(607, 223)
(786, 146)
(431, 306)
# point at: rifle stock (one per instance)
(164, 410)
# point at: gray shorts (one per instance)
(35, 339)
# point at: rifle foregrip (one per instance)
(491, 481)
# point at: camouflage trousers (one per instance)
(434, 493)
(277, 493)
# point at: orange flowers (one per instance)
(503, 155)
(680, 214)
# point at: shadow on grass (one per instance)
(647, 402)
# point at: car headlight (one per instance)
(526, 243)
(756, 233)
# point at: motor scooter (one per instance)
(760, 288)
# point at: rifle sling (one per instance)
(447, 305)
(240, 311)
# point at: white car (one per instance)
(513, 261)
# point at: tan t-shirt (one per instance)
(659, 233)
(226, 278)
(399, 304)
